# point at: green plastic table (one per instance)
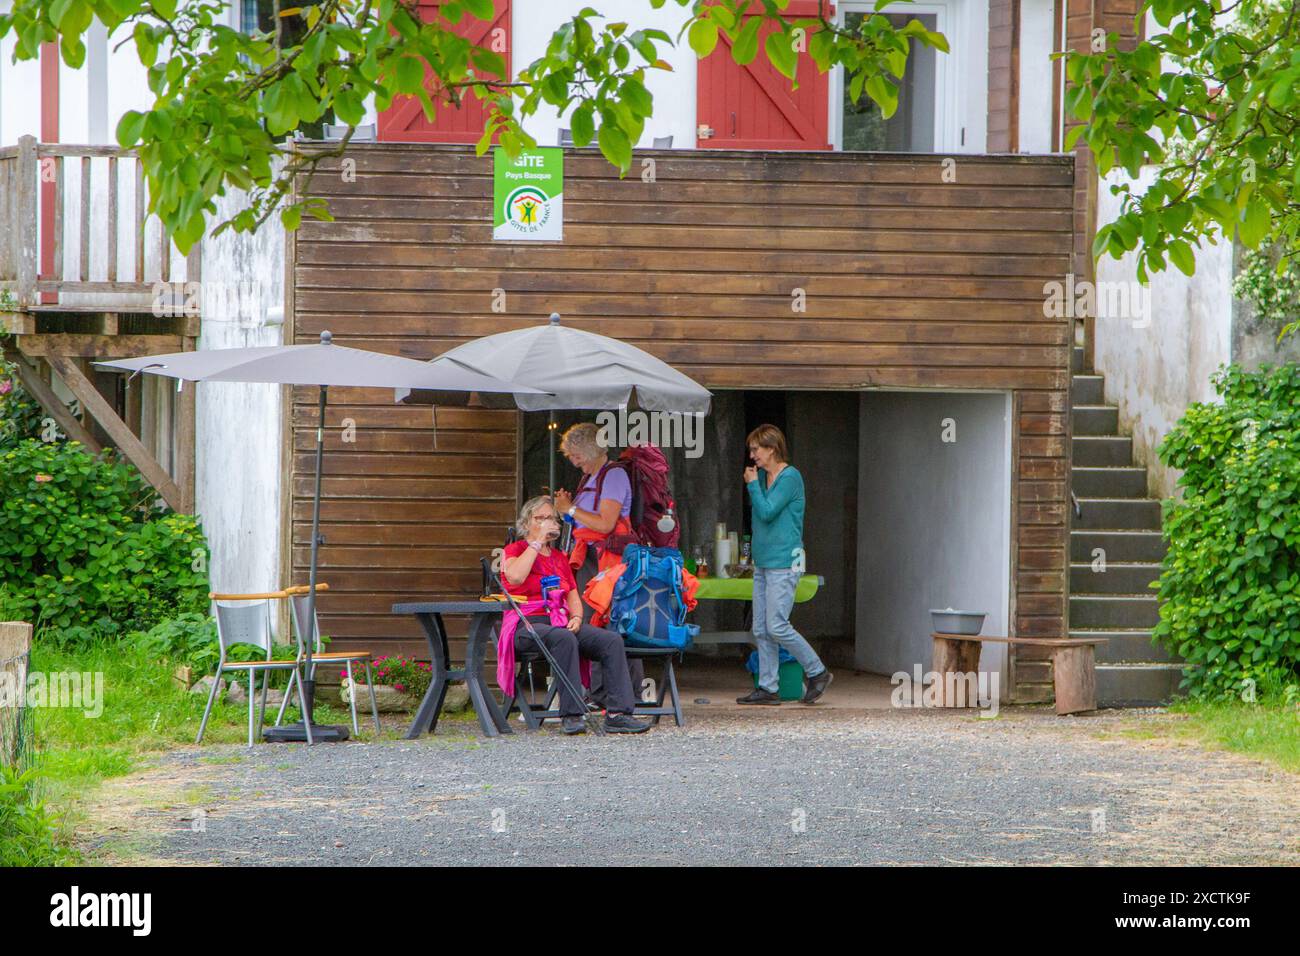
(742, 589)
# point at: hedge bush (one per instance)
(84, 549)
(1230, 585)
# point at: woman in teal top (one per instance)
(777, 499)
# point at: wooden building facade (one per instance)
(915, 272)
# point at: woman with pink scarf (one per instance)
(559, 622)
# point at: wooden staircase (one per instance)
(1115, 550)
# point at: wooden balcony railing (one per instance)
(93, 247)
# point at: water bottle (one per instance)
(550, 582)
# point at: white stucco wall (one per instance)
(1154, 372)
(934, 522)
(238, 429)
(20, 101)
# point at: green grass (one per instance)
(1268, 729)
(145, 712)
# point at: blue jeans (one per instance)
(773, 601)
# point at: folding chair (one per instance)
(667, 685)
(298, 603)
(534, 714)
(248, 624)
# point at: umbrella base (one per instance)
(296, 733)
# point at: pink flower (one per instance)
(6, 386)
(44, 478)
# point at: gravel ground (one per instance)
(792, 786)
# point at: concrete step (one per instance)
(1137, 513)
(1126, 647)
(1117, 482)
(1116, 579)
(1124, 611)
(1087, 390)
(1121, 546)
(1102, 450)
(1095, 419)
(1137, 685)
(1076, 359)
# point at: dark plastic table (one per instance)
(485, 614)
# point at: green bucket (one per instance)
(789, 681)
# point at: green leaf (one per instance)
(130, 127)
(487, 62)
(703, 37)
(290, 217)
(636, 96)
(583, 127)
(724, 17)
(615, 146)
(745, 47)
(409, 76)
(884, 93)
(1255, 224)
(1180, 253)
(480, 9)
(781, 52)
(349, 107)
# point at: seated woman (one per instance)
(524, 564)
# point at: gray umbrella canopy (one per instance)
(322, 364)
(577, 369)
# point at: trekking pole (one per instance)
(589, 712)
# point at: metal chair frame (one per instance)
(248, 624)
(298, 605)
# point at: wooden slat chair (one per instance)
(298, 602)
(247, 624)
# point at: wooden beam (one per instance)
(122, 436)
(31, 379)
(15, 647)
(17, 323)
(25, 221)
(98, 346)
(184, 426)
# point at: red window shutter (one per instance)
(405, 122)
(753, 107)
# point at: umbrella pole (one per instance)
(309, 687)
(550, 437)
(319, 732)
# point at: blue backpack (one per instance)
(647, 606)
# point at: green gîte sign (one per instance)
(528, 195)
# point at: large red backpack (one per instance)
(652, 499)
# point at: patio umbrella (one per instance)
(570, 369)
(323, 365)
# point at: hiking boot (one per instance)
(759, 696)
(573, 725)
(625, 724)
(816, 687)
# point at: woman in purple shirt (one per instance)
(581, 445)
